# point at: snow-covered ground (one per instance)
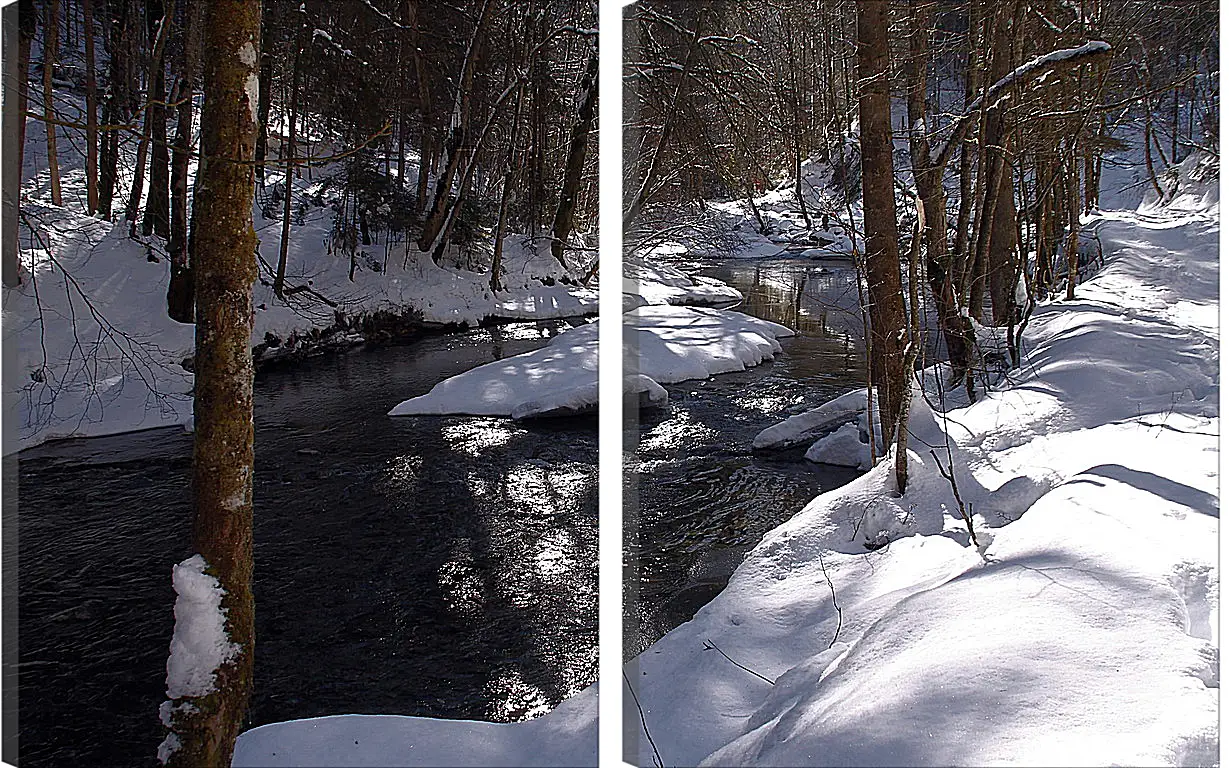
(566, 736)
(1081, 630)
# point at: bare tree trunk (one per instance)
(138, 177)
(957, 334)
(1073, 236)
(223, 447)
(279, 281)
(157, 219)
(641, 197)
(117, 103)
(506, 195)
(457, 133)
(179, 295)
(266, 93)
(51, 34)
(91, 110)
(1000, 253)
(887, 308)
(15, 135)
(576, 159)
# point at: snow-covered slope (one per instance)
(1082, 631)
(567, 736)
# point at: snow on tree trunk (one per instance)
(225, 268)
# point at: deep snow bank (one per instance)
(1086, 635)
(566, 736)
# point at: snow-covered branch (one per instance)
(1025, 71)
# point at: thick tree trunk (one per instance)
(887, 309)
(223, 447)
(576, 159)
(51, 34)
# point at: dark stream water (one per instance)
(441, 566)
(696, 497)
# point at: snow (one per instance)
(567, 736)
(673, 344)
(844, 447)
(662, 284)
(199, 645)
(1082, 630)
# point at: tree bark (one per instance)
(157, 219)
(91, 110)
(179, 299)
(51, 34)
(576, 159)
(887, 309)
(223, 446)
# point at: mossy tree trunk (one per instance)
(225, 267)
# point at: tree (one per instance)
(222, 456)
(179, 299)
(576, 158)
(888, 332)
(51, 35)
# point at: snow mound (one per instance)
(661, 284)
(844, 448)
(672, 344)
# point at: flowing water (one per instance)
(697, 497)
(441, 566)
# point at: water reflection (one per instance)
(441, 566)
(697, 496)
